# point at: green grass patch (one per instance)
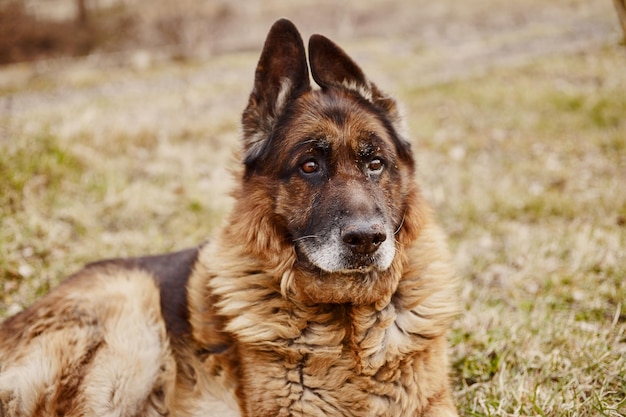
(34, 164)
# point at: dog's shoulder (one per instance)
(165, 276)
(170, 272)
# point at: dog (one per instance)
(328, 291)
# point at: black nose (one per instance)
(364, 238)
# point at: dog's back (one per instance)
(113, 339)
(97, 345)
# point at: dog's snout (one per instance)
(363, 239)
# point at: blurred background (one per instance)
(119, 130)
(36, 29)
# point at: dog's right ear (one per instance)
(281, 75)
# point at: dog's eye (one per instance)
(309, 167)
(375, 165)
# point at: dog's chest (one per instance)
(346, 388)
(337, 368)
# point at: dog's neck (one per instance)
(248, 302)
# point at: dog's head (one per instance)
(327, 168)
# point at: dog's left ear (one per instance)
(281, 76)
(331, 67)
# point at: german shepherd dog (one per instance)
(327, 292)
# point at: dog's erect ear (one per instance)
(281, 75)
(331, 67)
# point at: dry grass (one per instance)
(525, 160)
(529, 173)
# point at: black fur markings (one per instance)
(171, 272)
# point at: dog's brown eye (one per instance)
(375, 165)
(309, 167)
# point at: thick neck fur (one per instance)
(256, 310)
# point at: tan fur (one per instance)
(247, 325)
(96, 346)
(293, 356)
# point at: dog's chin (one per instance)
(327, 272)
(356, 284)
(356, 287)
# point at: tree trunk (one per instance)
(620, 7)
(82, 19)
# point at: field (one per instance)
(518, 119)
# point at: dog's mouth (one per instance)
(362, 269)
(360, 265)
(356, 268)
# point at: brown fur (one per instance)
(327, 292)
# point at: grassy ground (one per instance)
(529, 173)
(521, 148)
